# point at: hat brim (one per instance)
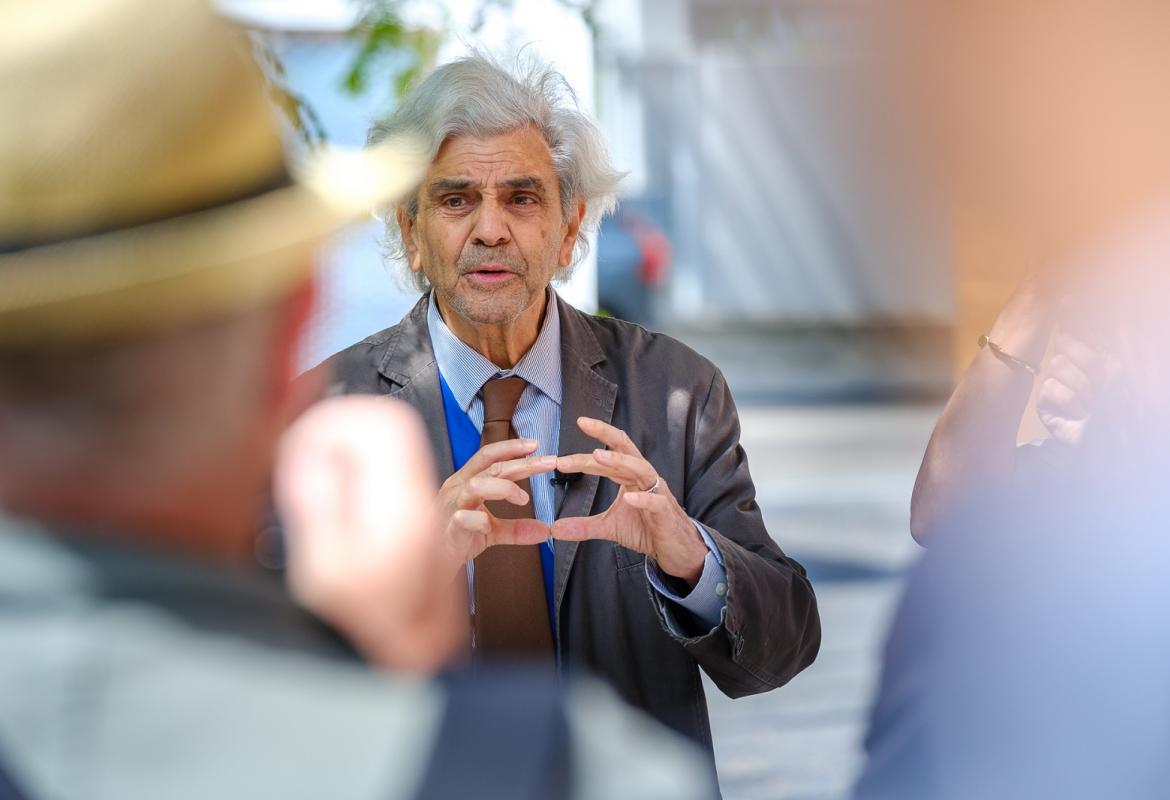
(198, 265)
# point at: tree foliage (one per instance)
(389, 42)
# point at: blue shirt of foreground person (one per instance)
(656, 561)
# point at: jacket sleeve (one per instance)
(771, 629)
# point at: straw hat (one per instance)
(142, 176)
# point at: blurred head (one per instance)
(170, 432)
(518, 177)
(1049, 112)
(155, 267)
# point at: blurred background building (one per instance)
(750, 229)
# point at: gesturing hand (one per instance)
(1070, 385)
(491, 474)
(354, 489)
(649, 522)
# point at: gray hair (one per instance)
(476, 96)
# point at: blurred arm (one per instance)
(972, 452)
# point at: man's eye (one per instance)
(454, 202)
(523, 200)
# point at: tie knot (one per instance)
(500, 396)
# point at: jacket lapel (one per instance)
(586, 393)
(409, 363)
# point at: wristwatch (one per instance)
(1003, 355)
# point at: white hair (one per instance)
(476, 96)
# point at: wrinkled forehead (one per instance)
(511, 158)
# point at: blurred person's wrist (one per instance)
(1024, 326)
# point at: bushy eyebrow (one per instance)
(449, 185)
(531, 182)
(524, 182)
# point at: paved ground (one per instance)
(834, 483)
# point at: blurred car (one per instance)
(633, 263)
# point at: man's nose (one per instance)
(491, 230)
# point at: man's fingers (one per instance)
(518, 531)
(499, 451)
(589, 465)
(472, 522)
(521, 468)
(1059, 399)
(653, 502)
(482, 488)
(1065, 431)
(580, 529)
(1066, 371)
(614, 438)
(636, 466)
(1084, 355)
(629, 471)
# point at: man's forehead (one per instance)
(516, 156)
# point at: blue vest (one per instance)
(464, 444)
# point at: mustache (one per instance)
(476, 256)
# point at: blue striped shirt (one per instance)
(538, 413)
(538, 417)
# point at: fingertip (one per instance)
(560, 530)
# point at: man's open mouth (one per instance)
(491, 273)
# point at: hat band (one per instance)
(280, 180)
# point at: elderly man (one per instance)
(155, 288)
(594, 483)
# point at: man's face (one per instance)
(490, 231)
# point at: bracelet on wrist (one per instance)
(1012, 361)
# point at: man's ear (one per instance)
(407, 227)
(571, 231)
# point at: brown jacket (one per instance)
(676, 407)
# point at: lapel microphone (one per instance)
(564, 480)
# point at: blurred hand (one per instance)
(1070, 385)
(490, 475)
(651, 523)
(354, 489)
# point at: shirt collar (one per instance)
(466, 370)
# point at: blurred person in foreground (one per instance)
(593, 480)
(155, 285)
(1028, 657)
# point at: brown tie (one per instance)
(511, 617)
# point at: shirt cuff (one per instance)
(706, 602)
